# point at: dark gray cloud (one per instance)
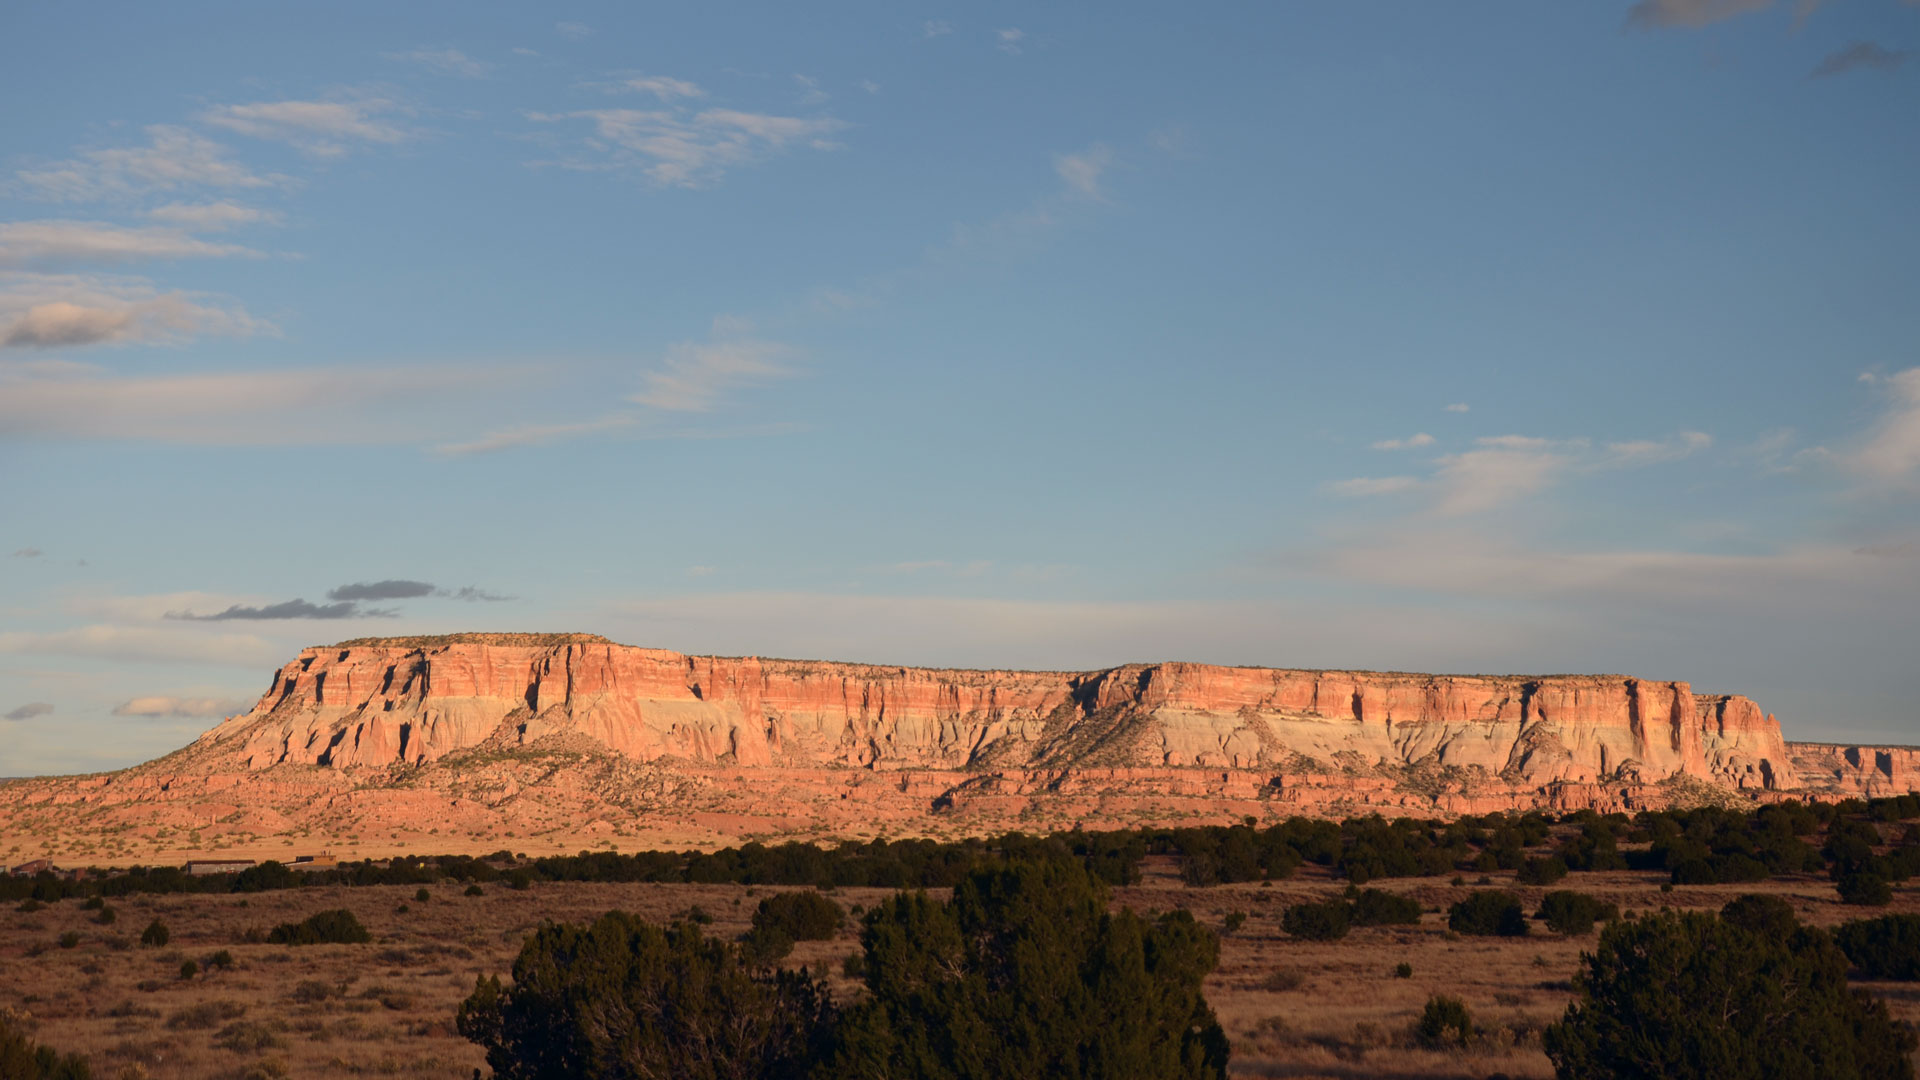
(289, 609)
(28, 553)
(1860, 54)
(30, 710)
(347, 602)
(391, 589)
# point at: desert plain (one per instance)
(1298, 1009)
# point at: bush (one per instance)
(221, 959)
(1538, 871)
(1444, 1022)
(22, 1059)
(1761, 914)
(624, 997)
(1573, 914)
(1687, 996)
(188, 969)
(475, 890)
(804, 915)
(69, 939)
(1233, 921)
(335, 927)
(264, 877)
(1376, 907)
(1327, 921)
(1884, 948)
(105, 916)
(421, 895)
(156, 934)
(1028, 971)
(1489, 914)
(1864, 888)
(1403, 970)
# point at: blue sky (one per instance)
(1501, 338)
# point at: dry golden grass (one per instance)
(1292, 1009)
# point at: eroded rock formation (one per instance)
(380, 703)
(477, 737)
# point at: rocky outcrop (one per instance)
(1857, 771)
(377, 703)
(469, 741)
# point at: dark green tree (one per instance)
(1490, 914)
(1685, 996)
(1377, 907)
(335, 927)
(1574, 913)
(625, 999)
(1885, 948)
(1327, 920)
(803, 915)
(1027, 973)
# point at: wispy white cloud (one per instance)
(675, 147)
(174, 159)
(810, 92)
(1082, 171)
(1412, 442)
(1861, 55)
(321, 128)
(1500, 470)
(320, 406)
(211, 217)
(663, 87)
(1654, 451)
(1365, 486)
(1892, 451)
(37, 242)
(448, 61)
(575, 30)
(534, 435)
(145, 644)
(695, 376)
(934, 28)
(50, 310)
(1009, 40)
(1651, 14)
(965, 568)
(1458, 407)
(170, 706)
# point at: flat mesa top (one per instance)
(432, 641)
(428, 641)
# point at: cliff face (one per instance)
(379, 703)
(554, 742)
(1857, 771)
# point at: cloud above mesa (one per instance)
(344, 602)
(673, 144)
(1499, 470)
(47, 311)
(167, 706)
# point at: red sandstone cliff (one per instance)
(377, 703)
(469, 741)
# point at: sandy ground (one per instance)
(1292, 1009)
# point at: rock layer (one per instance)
(548, 742)
(384, 702)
